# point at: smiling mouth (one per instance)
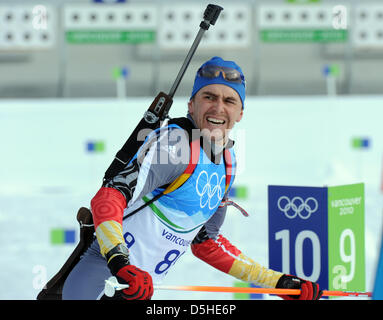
(215, 121)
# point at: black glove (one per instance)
(309, 290)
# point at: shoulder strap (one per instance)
(187, 125)
(195, 152)
(184, 123)
(194, 156)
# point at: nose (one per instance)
(219, 105)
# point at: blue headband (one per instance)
(200, 82)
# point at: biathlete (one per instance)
(188, 167)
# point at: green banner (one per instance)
(346, 237)
(110, 36)
(303, 35)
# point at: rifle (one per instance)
(159, 109)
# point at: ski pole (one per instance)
(258, 290)
(111, 285)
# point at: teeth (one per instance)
(216, 121)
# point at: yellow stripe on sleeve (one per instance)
(247, 270)
(109, 235)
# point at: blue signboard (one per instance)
(298, 241)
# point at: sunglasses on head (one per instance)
(229, 74)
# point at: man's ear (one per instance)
(239, 118)
(190, 106)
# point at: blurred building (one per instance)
(68, 49)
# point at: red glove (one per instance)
(309, 290)
(139, 281)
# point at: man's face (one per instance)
(215, 109)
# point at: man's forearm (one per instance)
(222, 255)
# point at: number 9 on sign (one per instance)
(347, 239)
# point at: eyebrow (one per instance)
(216, 95)
(209, 93)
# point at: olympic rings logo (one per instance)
(212, 192)
(296, 206)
